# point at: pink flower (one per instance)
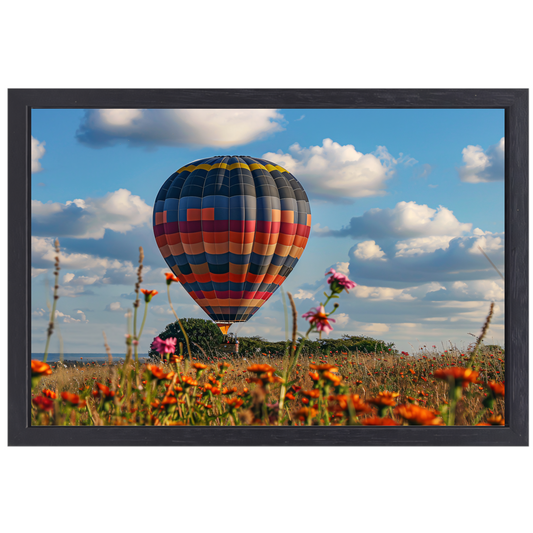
(164, 346)
(339, 281)
(318, 318)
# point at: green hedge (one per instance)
(348, 343)
(207, 334)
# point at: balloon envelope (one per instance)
(231, 228)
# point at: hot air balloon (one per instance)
(231, 228)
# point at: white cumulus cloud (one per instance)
(374, 328)
(114, 306)
(99, 270)
(119, 211)
(335, 171)
(37, 152)
(37, 271)
(487, 243)
(382, 293)
(483, 165)
(341, 319)
(68, 277)
(303, 295)
(470, 311)
(68, 319)
(472, 290)
(423, 245)
(175, 127)
(343, 267)
(369, 250)
(407, 220)
(161, 310)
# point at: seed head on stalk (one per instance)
(482, 336)
(50, 330)
(136, 302)
(139, 277)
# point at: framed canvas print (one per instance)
(268, 267)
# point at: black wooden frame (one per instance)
(515, 103)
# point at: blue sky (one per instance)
(400, 199)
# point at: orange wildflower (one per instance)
(497, 420)
(334, 378)
(148, 295)
(416, 415)
(234, 402)
(306, 412)
(188, 381)
(226, 391)
(358, 404)
(384, 398)
(38, 368)
(199, 366)
(170, 278)
(169, 402)
(498, 389)
(214, 390)
(313, 393)
(259, 369)
(262, 379)
(50, 394)
(314, 376)
(159, 373)
(72, 399)
(106, 391)
(459, 375)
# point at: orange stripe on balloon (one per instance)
(165, 251)
(161, 241)
(173, 238)
(208, 213)
(194, 214)
(220, 278)
(285, 240)
(237, 278)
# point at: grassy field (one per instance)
(334, 388)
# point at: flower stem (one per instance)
(179, 322)
(144, 320)
(456, 393)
